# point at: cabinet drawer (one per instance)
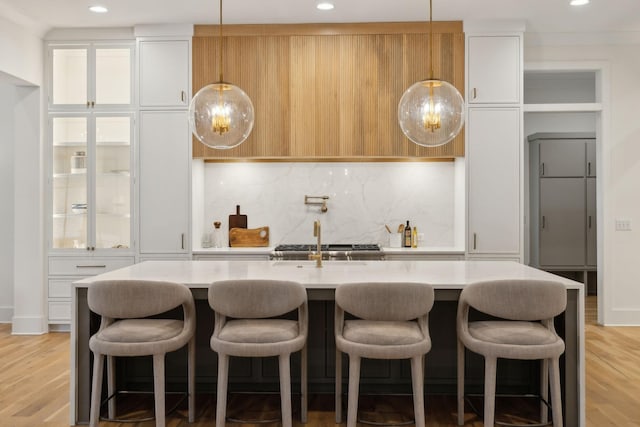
(86, 266)
(60, 288)
(60, 311)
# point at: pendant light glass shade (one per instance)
(221, 115)
(431, 113)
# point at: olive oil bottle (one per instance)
(407, 236)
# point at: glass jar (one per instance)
(79, 162)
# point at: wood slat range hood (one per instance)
(328, 92)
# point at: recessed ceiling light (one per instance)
(578, 2)
(324, 5)
(98, 9)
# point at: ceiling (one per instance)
(540, 16)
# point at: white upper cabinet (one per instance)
(164, 73)
(90, 76)
(493, 69)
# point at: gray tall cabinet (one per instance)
(563, 201)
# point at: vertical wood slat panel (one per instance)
(326, 96)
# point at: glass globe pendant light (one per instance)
(221, 114)
(431, 112)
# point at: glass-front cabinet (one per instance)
(91, 180)
(90, 76)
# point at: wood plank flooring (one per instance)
(34, 388)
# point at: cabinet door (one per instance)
(591, 159)
(493, 181)
(88, 77)
(592, 245)
(493, 69)
(165, 196)
(562, 158)
(562, 222)
(164, 73)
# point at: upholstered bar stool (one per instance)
(524, 331)
(252, 331)
(391, 323)
(125, 331)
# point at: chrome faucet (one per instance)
(318, 255)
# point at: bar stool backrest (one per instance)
(385, 301)
(516, 300)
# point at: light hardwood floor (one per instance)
(34, 386)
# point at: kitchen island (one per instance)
(447, 277)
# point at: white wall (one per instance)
(7, 94)
(21, 68)
(363, 197)
(618, 173)
(21, 52)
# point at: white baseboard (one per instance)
(29, 326)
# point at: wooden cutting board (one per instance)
(248, 238)
(236, 221)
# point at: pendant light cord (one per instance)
(220, 41)
(430, 39)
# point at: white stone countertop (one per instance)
(440, 274)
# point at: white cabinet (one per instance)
(164, 184)
(90, 181)
(494, 72)
(90, 175)
(90, 76)
(165, 73)
(63, 271)
(493, 182)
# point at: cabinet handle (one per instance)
(93, 104)
(91, 266)
(589, 169)
(475, 241)
(183, 96)
(542, 170)
(589, 221)
(475, 93)
(544, 221)
(88, 104)
(182, 240)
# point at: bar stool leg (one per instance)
(556, 404)
(191, 373)
(111, 385)
(354, 390)
(223, 373)
(417, 377)
(490, 364)
(285, 389)
(303, 385)
(460, 374)
(158, 388)
(544, 390)
(96, 389)
(338, 386)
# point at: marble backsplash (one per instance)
(363, 197)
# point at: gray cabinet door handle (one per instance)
(544, 221)
(589, 221)
(589, 169)
(182, 96)
(542, 170)
(475, 241)
(182, 240)
(91, 266)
